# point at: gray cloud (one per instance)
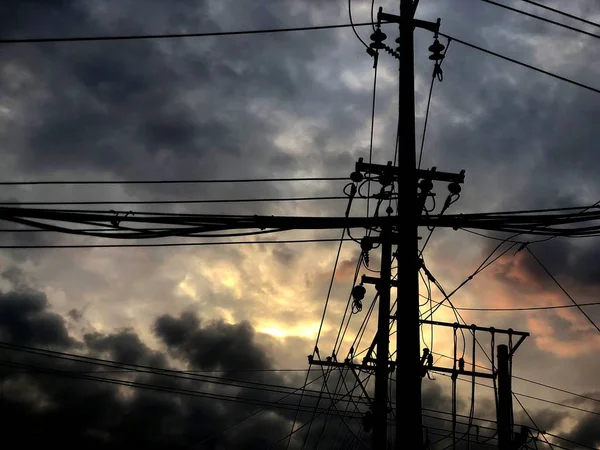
(289, 104)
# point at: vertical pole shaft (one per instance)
(380, 408)
(409, 427)
(504, 408)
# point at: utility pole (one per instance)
(409, 427)
(382, 372)
(504, 409)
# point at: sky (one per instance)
(294, 104)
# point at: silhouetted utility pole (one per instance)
(504, 409)
(408, 378)
(380, 403)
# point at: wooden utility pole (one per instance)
(504, 409)
(382, 372)
(409, 426)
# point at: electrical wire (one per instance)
(182, 181)
(372, 132)
(569, 441)
(354, 26)
(486, 263)
(316, 348)
(564, 290)
(176, 202)
(532, 421)
(166, 244)
(520, 63)
(558, 11)
(294, 431)
(533, 308)
(244, 419)
(35, 40)
(543, 19)
(520, 394)
(153, 387)
(433, 78)
(145, 369)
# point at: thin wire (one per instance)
(570, 441)
(532, 421)
(372, 132)
(533, 308)
(550, 402)
(170, 202)
(154, 387)
(166, 244)
(192, 372)
(426, 119)
(556, 389)
(568, 27)
(558, 11)
(433, 78)
(485, 264)
(520, 63)
(177, 35)
(189, 181)
(335, 264)
(564, 290)
(306, 424)
(248, 417)
(352, 24)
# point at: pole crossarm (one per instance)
(456, 373)
(508, 331)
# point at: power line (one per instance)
(354, 25)
(568, 27)
(550, 402)
(532, 421)
(569, 441)
(533, 308)
(132, 37)
(562, 13)
(178, 202)
(564, 290)
(144, 369)
(436, 73)
(556, 389)
(159, 388)
(167, 244)
(531, 381)
(520, 63)
(182, 181)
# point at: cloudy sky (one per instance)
(277, 105)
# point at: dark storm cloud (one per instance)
(53, 400)
(25, 319)
(178, 109)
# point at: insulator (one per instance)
(454, 188)
(378, 37)
(425, 185)
(366, 244)
(385, 179)
(436, 51)
(357, 177)
(389, 210)
(436, 47)
(357, 306)
(358, 292)
(461, 364)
